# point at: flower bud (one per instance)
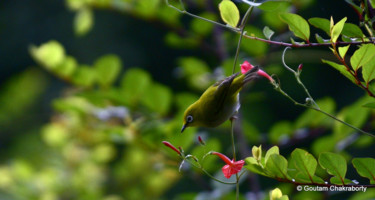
(300, 67)
(257, 152)
(275, 194)
(172, 147)
(201, 140)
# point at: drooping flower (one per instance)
(231, 167)
(246, 66)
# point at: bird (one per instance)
(219, 102)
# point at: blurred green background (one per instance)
(90, 88)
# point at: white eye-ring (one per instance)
(189, 118)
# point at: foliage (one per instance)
(104, 139)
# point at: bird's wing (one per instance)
(222, 90)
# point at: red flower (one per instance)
(232, 167)
(168, 144)
(246, 66)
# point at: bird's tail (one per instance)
(251, 75)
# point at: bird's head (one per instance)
(191, 117)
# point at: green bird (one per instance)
(219, 102)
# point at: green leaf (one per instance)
(280, 131)
(362, 55)
(277, 166)
(133, 84)
(320, 23)
(365, 168)
(335, 165)
(314, 119)
(323, 144)
(273, 150)
(297, 25)
(319, 39)
(336, 30)
(50, 54)
(84, 76)
(274, 5)
(83, 21)
(229, 13)
(200, 26)
(352, 30)
(341, 69)
(370, 105)
(355, 115)
(337, 181)
(305, 163)
(268, 32)
(353, 5)
(248, 45)
(66, 68)
(368, 70)
(107, 68)
(343, 50)
(158, 98)
(253, 165)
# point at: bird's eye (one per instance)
(189, 118)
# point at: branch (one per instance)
(243, 34)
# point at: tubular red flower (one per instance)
(171, 147)
(231, 167)
(223, 157)
(246, 66)
(234, 168)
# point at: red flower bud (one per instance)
(171, 147)
(300, 67)
(201, 140)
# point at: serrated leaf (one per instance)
(107, 68)
(320, 23)
(336, 30)
(352, 30)
(273, 150)
(362, 55)
(83, 21)
(229, 13)
(335, 165)
(341, 69)
(277, 166)
(365, 168)
(304, 162)
(297, 25)
(343, 50)
(268, 32)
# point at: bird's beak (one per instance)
(183, 127)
